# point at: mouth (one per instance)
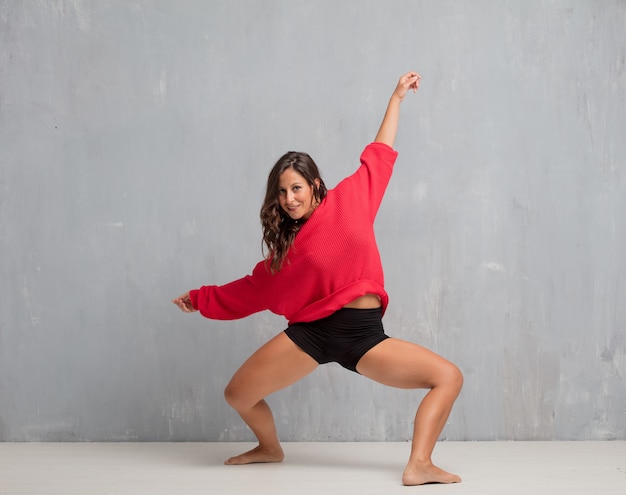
(294, 211)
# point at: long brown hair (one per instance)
(279, 230)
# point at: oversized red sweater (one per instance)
(334, 258)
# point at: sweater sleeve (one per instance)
(372, 177)
(236, 299)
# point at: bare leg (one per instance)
(276, 365)
(402, 364)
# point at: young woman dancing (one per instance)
(323, 273)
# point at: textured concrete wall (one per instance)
(135, 139)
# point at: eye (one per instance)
(297, 188)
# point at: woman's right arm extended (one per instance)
(231, 301)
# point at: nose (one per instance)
(290, 196)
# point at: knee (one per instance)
(454, 378)
(233, 397)
(449, 378)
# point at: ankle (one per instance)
(420, 461)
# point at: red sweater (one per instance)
(334, 258)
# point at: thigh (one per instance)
(274, 366)
(402, 364)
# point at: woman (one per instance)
(323, 273)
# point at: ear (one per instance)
(317, 183)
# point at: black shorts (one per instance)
(343, 337)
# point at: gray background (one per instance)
(135, 139)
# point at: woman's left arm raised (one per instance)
(389, 127)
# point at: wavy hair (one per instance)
(279, 229)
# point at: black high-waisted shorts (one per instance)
(343, 337)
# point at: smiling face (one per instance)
(295, 195)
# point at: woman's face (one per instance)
(295, 195)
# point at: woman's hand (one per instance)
(184, 303)
(410, 80)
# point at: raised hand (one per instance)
(410, 80)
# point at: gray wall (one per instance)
(135, 139)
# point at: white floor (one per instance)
(589, 468)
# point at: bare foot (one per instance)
(427, 473)
(258, 454)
